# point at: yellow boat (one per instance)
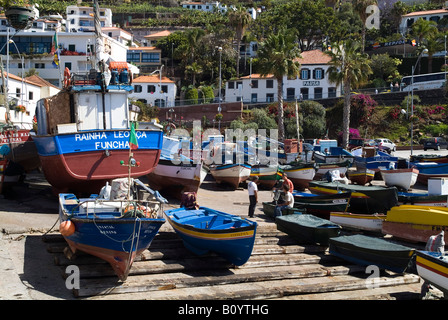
(416, 223)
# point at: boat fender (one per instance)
(66, 77)
(67, 228)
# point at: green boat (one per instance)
(307, 228)
(268, 175)
(269, 209)
(365, 251)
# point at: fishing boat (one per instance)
(332, 155)
(323, 168)
(428, 170)
(356, 221)
(299, 173)
(423, 199)
(269, 209)
(114, 226)
(18, 146)
(176, 173)
(364, 199)
(416, 223)
(365, 251)
(307, 228)
(370, 158)
(268, 175)
(322, 205)
(433, 268)
(231, 174)
(206, 230)
(401, 178)
(83, 131)
(361, 176)
(429, 158)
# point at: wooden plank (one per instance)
(265, 289)
(89, 287)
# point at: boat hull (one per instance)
(401, 178)
(268, 175)
(85, 167)
(428, 170)
(416, 223)
(322, 205)
(433, 269)
(361, 176)
(367, 251)
(307, 228)
(222, 235)
(300, 175)
(364, 199)
(422, 199)
(177, 179)
(231, 174)
(23, 150)
(365, 222)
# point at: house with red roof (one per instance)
(155, 90)
(312, 83)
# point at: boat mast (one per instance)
(99, 48)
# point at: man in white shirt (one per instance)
(252, 188)
(289, 201)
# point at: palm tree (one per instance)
(422, 29)
(433, 43)
(239, 19)
(349, 67)
(194, 69)
(278, 55)
(360, 6)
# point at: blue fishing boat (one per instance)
(83, 131)
(428, 170)
(423, 199)
(112, 225)
(206, 230)
(370, 158)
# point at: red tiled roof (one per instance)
(164, 33)
(258, 76)
(424, 13)
(151, 79)
(314, 57)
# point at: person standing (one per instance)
(288, 182)
(252, 188)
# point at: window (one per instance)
(30, 95)
(231, 85)
(269, 97)
(254, 84)
(164, 89)
(239, 84)
(18, 92)
(39, 65)
(68, 65)
(318, 74)
(303, 93)
(331, 92)
(71, 47)
(269, 84)
(317, 93)
(150, 57)
(132, 57)
(290, 93)
(305, 74)
(254, 97)
(137, 88)
(151, 88)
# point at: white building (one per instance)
(76, 53)
(155, 90)
(22, 97)
(408, 20)
(312, 83)
(207, 6)
(80, 19)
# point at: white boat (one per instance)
(232, 173)
(366, 222)
(300, 174)
(403, 178)
(176, 173)
(433, 268)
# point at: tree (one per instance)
(349, 67)
(278, 55)
(384, 67)
(239, 19)
(360, 6)
(433, 43)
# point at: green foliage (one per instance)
(314, 122)
(436, 130)
(262, 119)
(192, 95)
